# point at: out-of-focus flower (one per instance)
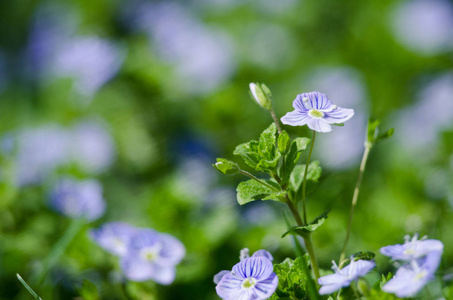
(198, 53)
(343, 278)
(424, 26)
(40, 151)
(251, 278)
(152, 256)
(412, 248)
(114, 237)
(317, 112)
(78, 199)
(413, 276)
(92, 146)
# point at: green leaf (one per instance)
(29, 289)
(262, 155)
(297, 176)
(365, 255)
(284, 142)
(310, 227)
(385, 135)
(373, 133)
(226, 166)
(292, 157)
(251, 190)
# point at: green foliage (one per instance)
(251, 190)
(376, 292)
(365, 255)
(297, 176)
(310, 227)
(294, 281)
(292, 157)
(262, 155)
(226, 166)
(29, 289)
(373, 135)
(284, 142)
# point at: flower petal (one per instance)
(258, 267)
(263, 253)
(403, 283)
(229, 286)
(172, 251)
(136, 269)
(265, 288)
(359, 268)
(163, 274)
(219, 276)
(319, 125)
(296, 118)
(113, 237)
(338, 115)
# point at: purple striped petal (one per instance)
(296, 118)
(263, 253)
(338, 115)
(230, 286)
(173, 250)
(259, 268)
(319, 125)
(265, 288)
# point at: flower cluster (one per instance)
(78, 199)
(317, 112)
(251, 278)
(343, 277)
(145, 254)
(422, 258)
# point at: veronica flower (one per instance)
(152, 255)
(114, 237)
(251, 278)
(78, 199)
(413, 276)
(343, 278)
(412, 248)
(317, 112)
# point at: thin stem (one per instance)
(58, 249)
(354, 289)
(258, 180)
(274, 116)
(307, 238)
(355, 198)
(304, 184)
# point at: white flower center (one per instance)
(316, 113)
(150, 253)
(248, 283)
(119, 245)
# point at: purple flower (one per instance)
(78, 199)
(251, 278)
(152, 255)
(317, 112)
(343, 278)
(412, 248)
(413, 276)
(114, 237)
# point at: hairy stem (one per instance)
(274, 116)
(258, 180)
(355, 198)
(304, 183)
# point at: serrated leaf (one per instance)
(251, 190)
(297, 176)
(310, 227)
(276, 196)
(292, 157)
(249, 153)
(284, 142)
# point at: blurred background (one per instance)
(142, 96)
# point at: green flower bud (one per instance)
(261, 94)
(363, 287)
(226, 166)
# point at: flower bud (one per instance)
(226, 166)
(261, 94)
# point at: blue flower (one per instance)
(78, 199)
(343, 278)
(412, 248)
(422, 256)
(152, 255)
(114, 237)
(413, 276)
(317, 112)
(251, 278)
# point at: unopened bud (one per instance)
(261, 94)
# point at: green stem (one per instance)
(258, 180)
(355, 198)
(354, 289)
(274, 116)
(304, 183)
(307, 238)
(58, 249)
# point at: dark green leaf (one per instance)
(251, 190)
(385, 135)
(292, 157)
(310, 227)
(249, 153)
(365, 255)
